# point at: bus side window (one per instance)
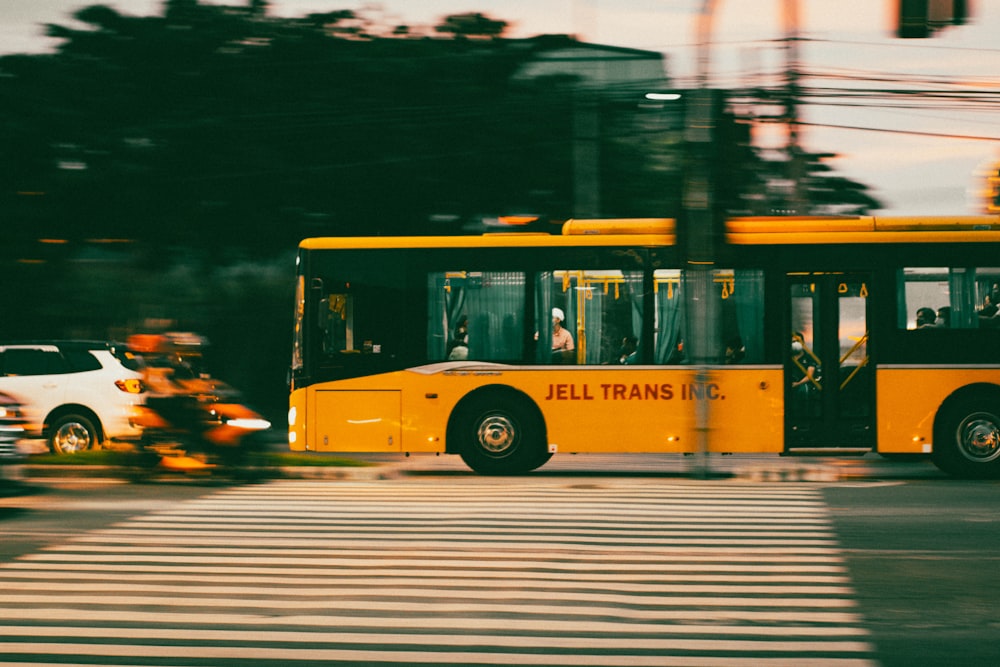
(743, 317)
(949, 298)
(925, 291)
(475, 315)
(598, 310)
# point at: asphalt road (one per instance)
(922, 556)
(918, 552)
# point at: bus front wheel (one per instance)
(967, 439)
(500, 436)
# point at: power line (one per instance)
(943, 135)
(897, 43)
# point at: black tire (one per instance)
(500, 435)
(967, 438)
(71, 433)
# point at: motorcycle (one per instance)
(191, 422)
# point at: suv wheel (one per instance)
(72, 433)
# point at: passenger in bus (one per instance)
(458, 346)
(943, 319)
(629, 352)
(805, 375)
(989, 314)
(562, 339)
(735, 350)
(989, 308)
(926, 318)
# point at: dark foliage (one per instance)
(161, 170)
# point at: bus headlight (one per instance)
(249, 424)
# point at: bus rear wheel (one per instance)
(967, 439)
(498, 435)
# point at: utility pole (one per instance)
(698, 231)
(799, 198)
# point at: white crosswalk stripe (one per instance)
(521, 571)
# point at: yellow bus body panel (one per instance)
(908, 400)
(357, 420)
(585, 409)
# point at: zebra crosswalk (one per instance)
(522, 571)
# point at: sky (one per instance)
(918, 159)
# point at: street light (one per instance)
(663, 97)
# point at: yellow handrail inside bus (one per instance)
(857, 369)
(854, 348)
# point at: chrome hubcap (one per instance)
(497, 435)
(72, 437)
(979, 437)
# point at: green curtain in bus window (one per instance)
(669, 318)
(543, 316)
(495, 305)
(445, 309)
(590, 328)
(565, 297)
(458, 320)
(902, 308)
(437, 317)
(748, 297)
(962, 295)
(635, 293)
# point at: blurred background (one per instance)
(162, 159)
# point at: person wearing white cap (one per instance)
(562, 339)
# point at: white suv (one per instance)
(77, 394)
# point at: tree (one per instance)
(833, 194)
(176, 147)
(472, 26)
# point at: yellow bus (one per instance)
(826, 334)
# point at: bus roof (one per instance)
(653, 232)
(863, 230)
(658, 232)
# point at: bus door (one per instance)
(829, 382)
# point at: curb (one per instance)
(792, 474)
(396, 470)
(366, 473)
(20, 472)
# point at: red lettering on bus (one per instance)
(624, 392)
(710, 391)
(569, 392)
